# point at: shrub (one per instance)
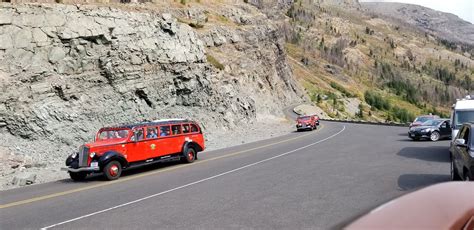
(404, 89)
(376, 101)
(443, 74)
(448, 44)
(196, 25)
(360, 113)
(335, 54)
(369, 31)
(341, 89)
(402, 114)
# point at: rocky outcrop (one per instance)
(68, 70)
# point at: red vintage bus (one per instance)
(307, 122)
(126, 146)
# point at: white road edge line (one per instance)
(193, 183)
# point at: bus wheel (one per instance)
(189, 155)
(112, 170)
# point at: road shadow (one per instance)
(415, 181)
(304, 131)
(433, 153)
(125, 173)
(422, 140)
(406, 140)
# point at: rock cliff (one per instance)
(68, 70)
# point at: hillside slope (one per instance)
(355, 64)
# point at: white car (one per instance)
(463, 111)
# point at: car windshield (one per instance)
(422, 119)
(461, 117)
(113, 134)
(304, 118)
(431, 123)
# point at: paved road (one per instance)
(318, 180)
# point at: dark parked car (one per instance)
(432, 129)
(462, 154)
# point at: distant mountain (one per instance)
(444, 25)
(340, 2)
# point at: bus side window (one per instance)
(164, 131)
(139, 134)
(186, 128)
(151, 132)
(194, 128)
(176, 129)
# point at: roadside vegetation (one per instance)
(394, 71)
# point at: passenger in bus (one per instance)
(151, 133)
(117, 134)
(176, 129)
(186, 128)
(139, 134)
(164, 131)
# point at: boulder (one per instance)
(24, 179)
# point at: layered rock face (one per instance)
(68, 70)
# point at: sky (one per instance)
(462, 8)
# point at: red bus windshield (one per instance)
(304, 118)
(113, 134)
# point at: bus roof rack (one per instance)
(172, 119)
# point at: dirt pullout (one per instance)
(310, 109)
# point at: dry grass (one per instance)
(211, 59)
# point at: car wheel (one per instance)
(112, 170)
(78, 176)
(189, 155)
(434, 136)
(454, 172)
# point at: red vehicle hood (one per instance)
(100, 143)
(416, 123)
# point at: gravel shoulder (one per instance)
(32, 171)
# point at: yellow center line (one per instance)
(53, 195)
